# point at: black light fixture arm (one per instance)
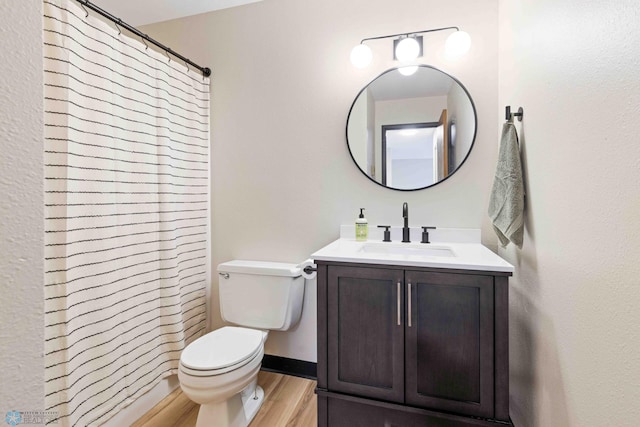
(410, 33)
(206, 71)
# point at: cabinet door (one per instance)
(449, 342)
(366, 332)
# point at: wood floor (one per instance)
(289, 402)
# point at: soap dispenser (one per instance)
(362, 227)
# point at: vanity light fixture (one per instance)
(457, 44)
(408, 47)
(361, 56)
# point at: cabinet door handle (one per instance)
(409, 304)
(399, 304)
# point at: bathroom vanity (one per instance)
(412, 335)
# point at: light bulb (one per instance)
(457, 44)
(407, 49)
(408, 70)
(361, 56)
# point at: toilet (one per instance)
(219, 370)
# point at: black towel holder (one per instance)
(509, 115)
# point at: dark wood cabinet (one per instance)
(365, 338)
(416, 346)
(449, 342)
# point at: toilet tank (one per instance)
(261, 295)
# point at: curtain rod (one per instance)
(206, 71)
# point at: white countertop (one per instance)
(453, 255)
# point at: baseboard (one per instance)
(295, 367)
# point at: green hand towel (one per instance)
(506, 205)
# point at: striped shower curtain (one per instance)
(126, 167)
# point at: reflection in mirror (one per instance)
(407, 155)
(411, 132)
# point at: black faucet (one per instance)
(405, 229)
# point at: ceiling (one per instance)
(143, 12)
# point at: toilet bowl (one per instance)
(219, 370)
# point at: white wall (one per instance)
(21, 207)
(575, 297)
(282, 86)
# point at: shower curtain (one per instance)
(126, 192)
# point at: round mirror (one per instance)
(411, 131)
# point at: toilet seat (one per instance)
(217, 372)
(221, 351)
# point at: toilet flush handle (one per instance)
(225, 275)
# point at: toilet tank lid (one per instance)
(264, 268)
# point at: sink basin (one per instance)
(406, 250)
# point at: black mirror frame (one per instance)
(473, 140)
